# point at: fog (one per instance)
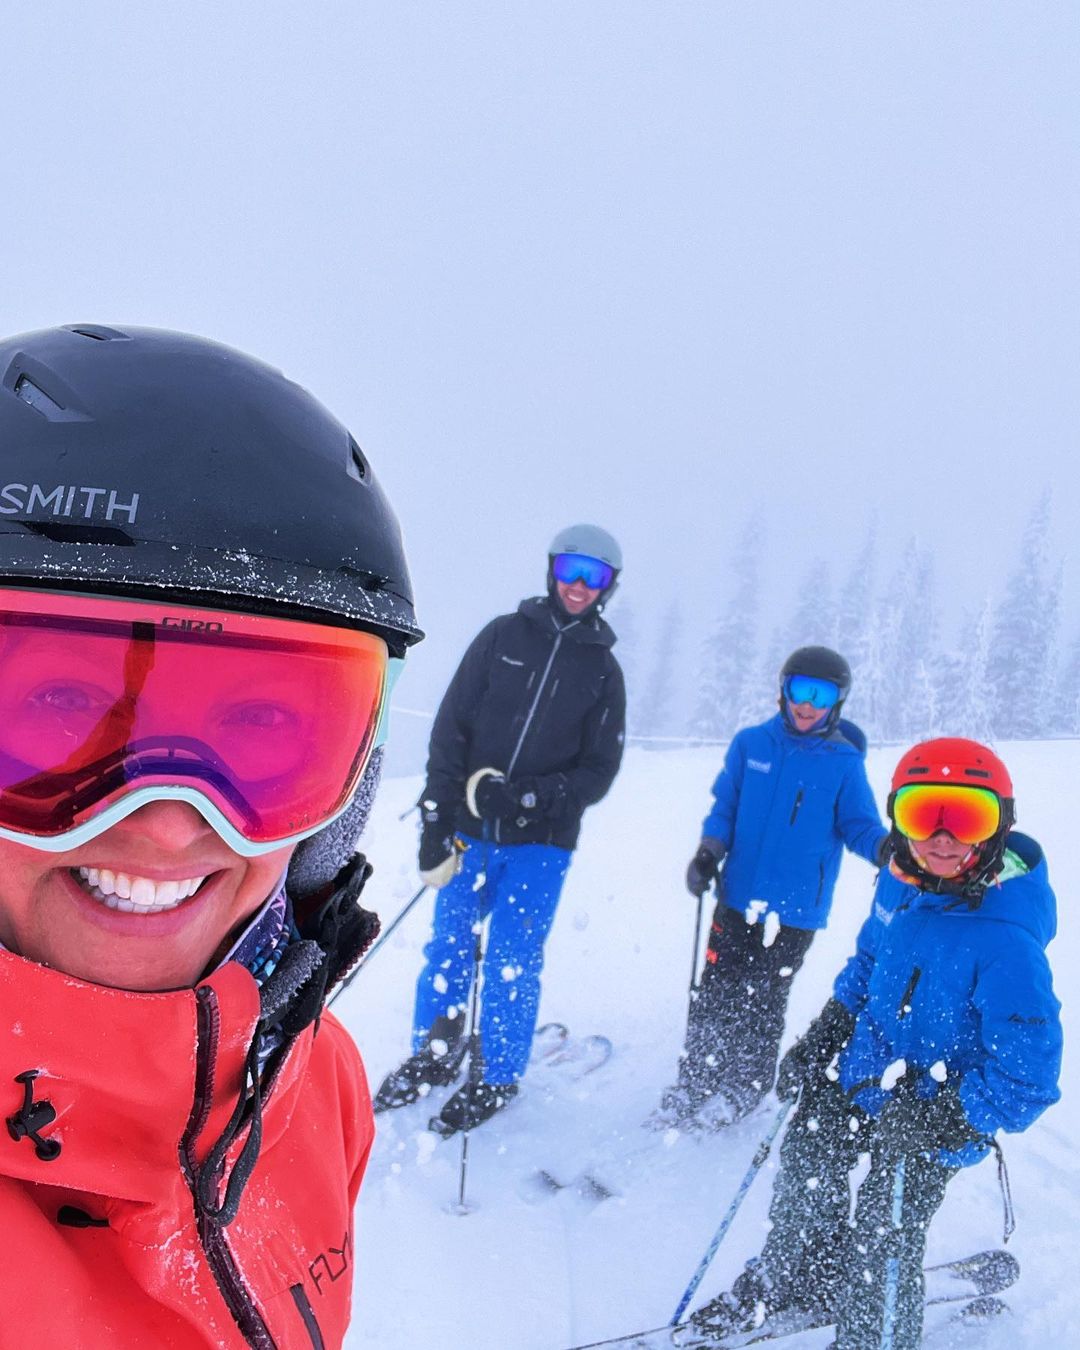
(681, 269)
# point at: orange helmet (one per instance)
(952, 759)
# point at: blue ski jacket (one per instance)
(785, 806)
(958, 993)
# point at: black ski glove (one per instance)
(496, 798)
(704, 866)
(913, 1124)
(522, 800)
(440, 853)
(814, 1051)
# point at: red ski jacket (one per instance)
(152, 1191)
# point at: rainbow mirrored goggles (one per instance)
(571, 567)
(264, 725)
(970, 814)
(823, 694)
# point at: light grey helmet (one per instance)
(592, 542)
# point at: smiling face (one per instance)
(804, 716)
(147, 905)
(943, 855)
(575, 597)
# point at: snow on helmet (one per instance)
(142, 461)
(592, 542)
(820, 663)
(951, 760)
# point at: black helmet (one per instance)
(820, 663)
(146, 461)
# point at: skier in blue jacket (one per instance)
(792, 794)
(947, 1030)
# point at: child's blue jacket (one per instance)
(958, 994)
(785, 806)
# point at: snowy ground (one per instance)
(517, 1274)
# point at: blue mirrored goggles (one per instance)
(822, 694)
(571, 567)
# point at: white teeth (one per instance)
(136, 895)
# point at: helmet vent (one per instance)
(66, 533)
(97, 332)
(37, 398)
(358, 464)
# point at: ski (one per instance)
(982, 1275)
(553, 1045)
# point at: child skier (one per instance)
(792, 793)
(193, 666)
(529, 734)
(947, 1030)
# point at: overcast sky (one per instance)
(662, 265)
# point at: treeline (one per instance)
(1004, 673)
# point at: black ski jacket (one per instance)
(537, 696)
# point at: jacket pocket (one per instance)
(797, 805)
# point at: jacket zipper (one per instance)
(795, 808)
(904, 1006)
(218, 1257)
(532, 711)
(307, 1315)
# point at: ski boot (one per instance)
(677, 1108)
(743, 1308)
(436, 1065)
(470, 1106)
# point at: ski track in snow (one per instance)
(522, 1274)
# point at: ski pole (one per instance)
(694, 955)
(373, 948)
(470, 1035)
(471, 1032)
(892, 1265)
(755, 1167)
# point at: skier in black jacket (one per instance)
(529, 733)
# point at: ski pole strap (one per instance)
(756, 1164)
(892, 1265)
(1006, 1192)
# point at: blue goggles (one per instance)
(822, 694)
(571, 567)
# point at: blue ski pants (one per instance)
(518, 887)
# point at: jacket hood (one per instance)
(592, 628)
(1024, 899)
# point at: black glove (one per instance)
(813, 1052)
(440, 853)
(496, 798)
(913, 1124)
(702, 871)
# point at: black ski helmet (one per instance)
(593, 542)
(146, 461)
(820, 663)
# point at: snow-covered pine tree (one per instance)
(963, 700)
(727, 672)
(1025, 636)
(661, 712)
